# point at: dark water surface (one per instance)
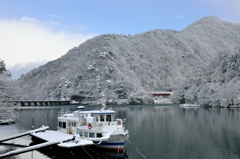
(164, 131)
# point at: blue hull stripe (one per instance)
(112, 143)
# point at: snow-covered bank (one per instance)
(189, 106)
(126, 102)
(163, 101)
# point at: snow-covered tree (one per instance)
(8, 92)
(218, 86)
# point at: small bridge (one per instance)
(42, 103)
(161, 94)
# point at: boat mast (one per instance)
(103, 101)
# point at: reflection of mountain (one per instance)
(86, 152)
(184, 133)
(157, 60)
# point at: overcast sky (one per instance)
(34, 32)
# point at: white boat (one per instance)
(80, 107)
(82, 128)
(98, 126)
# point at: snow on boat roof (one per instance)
(98, 112)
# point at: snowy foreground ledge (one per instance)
(189, 106)
(162, 101)
(7, 121)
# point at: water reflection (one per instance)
(82, 152)
(172, 132)
(156, 131)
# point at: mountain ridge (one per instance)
(124, 66)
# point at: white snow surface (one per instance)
(162, 101)
(51, 135)
(189, 106)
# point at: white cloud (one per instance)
(28, 40)
(28, 19)
(54, 23)
(20, 69)
(56, 16)
(80, 26)
(178, 16)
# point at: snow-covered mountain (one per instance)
(218, 86)
(130, 66)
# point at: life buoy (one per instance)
(89, 126)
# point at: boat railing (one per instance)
(83, 123)
(60, 114)
(100, 125)
(118, 132)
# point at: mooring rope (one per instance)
(72, 153)
(136, 149)
(96, 152)
(119, 144)
(87, 152)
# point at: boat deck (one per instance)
(50, 136)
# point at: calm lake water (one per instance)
(157, 131)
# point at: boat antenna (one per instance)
(103, 101)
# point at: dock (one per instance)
(51, 137)
(43, 128)
(34, 147)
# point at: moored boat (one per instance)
(98, 126)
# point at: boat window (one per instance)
(109, 118)
(64, 125)
(80, 133)
(60, 124)
(99, 135)
(101, 117)
(91, 134)
(73, 124)
(85, 134)
(96, 118)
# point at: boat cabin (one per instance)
(67, 123)
(89, 124)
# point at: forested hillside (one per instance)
(9, 91)
(218, 86)
(131, 66)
